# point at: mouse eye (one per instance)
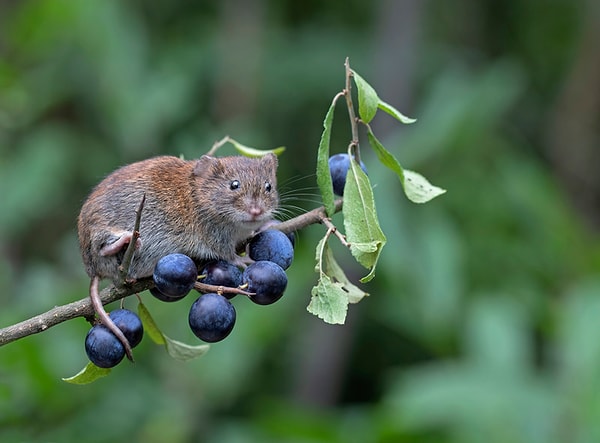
(234, 184)
(268, 187)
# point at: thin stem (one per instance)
(335, 231)
(215, 147)
(204, 288)
(308, 218)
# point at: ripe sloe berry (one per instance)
(338, 168)
(272, 245)
(212, 317)
(267, 280)
(174, 275)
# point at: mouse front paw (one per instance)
(121, 241)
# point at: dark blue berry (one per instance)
(267, 280)
(103, 348)
(290, 235)
(175, 275)
(222, 273)
(212, 317)
(338, 168)
(272, 245)
(162, 297)
(131, 325)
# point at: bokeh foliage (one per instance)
(482, 323)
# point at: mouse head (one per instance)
(240, 189)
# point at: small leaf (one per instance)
(323, 174)
(385, 157)
(360, 220)
(329, 301)
(87, 375)
(253, 152)
(176, 349)
(368, 100)
(150, 326)
(182, 351)
(386, 107)
(334, 271)
(418, 189)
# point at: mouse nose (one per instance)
(255, 211)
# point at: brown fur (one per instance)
(190, 208)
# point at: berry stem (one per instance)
(332, 229)
(204, 288)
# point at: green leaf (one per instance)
(329, 301)
(368, 101)
(323, 174)
(87, 375)
(360, 220)
(335, 272)
(182, 351)
(385, 157)
(150, 326)
(418, 189)
(253, 152)
(386, 107)
(176, 349)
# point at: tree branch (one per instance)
(84, 308)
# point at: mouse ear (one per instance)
(270, 160)
(206, 166)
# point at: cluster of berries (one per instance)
(212, 316)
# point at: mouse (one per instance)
(204, 208)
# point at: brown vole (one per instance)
(202, 208)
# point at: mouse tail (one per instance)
(105, 319)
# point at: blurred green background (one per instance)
(483, 323)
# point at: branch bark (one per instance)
(84, 308)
